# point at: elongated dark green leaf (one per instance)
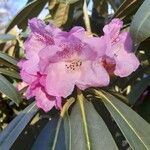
(31, 10)
(67, 128)
(138, 89)
(6, 37)
(140, 26)
(9, 90)
(74, 13)
(10, 73)
(135, 129)
(64, 110)
(53, 136)
(13, 130)
(67, 1)
(60, 15)
(126, 7)
(46, 137)
(8, 58)
(100, 137)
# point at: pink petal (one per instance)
(97, 44)
(34, 43)
(125, 37)
(44, 102)
(49, 51)
(46, 55)
(20, 63)
(93, 75)
(78, 32)
(31, 65)
(28, 78)
(58, 103)
(113, 28)
(38, 28)
(87, 53)
(59, 81)
(30, 92)
(126, 63)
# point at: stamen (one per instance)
(73, 65)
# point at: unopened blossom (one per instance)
(55, 61)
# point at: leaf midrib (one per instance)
(20, 122)
(125, 120)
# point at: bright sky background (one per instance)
(11, 8)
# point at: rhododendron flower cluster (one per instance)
(56, 61)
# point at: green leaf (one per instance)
(67, 128)
(16, 126)
(9, 90)
(126, 8)
(135, 129)
(52, 136)
(10, 73)
(140, 26)
(6, 37)
(31, 10)
(138, 89)
(55, 141)
(46, 136)
(68, 1)
(74, 14)
(8, 58)
(60, 15)
(98, 133)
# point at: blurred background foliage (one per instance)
(134, 90)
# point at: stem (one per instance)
(80, 98)
(66, 106)
(86, 18)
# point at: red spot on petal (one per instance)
(109, 64)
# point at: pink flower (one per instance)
(73, 64)
(39, 39)
(117, 56)
(120, 48)
(56, 61)
(36, 89)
